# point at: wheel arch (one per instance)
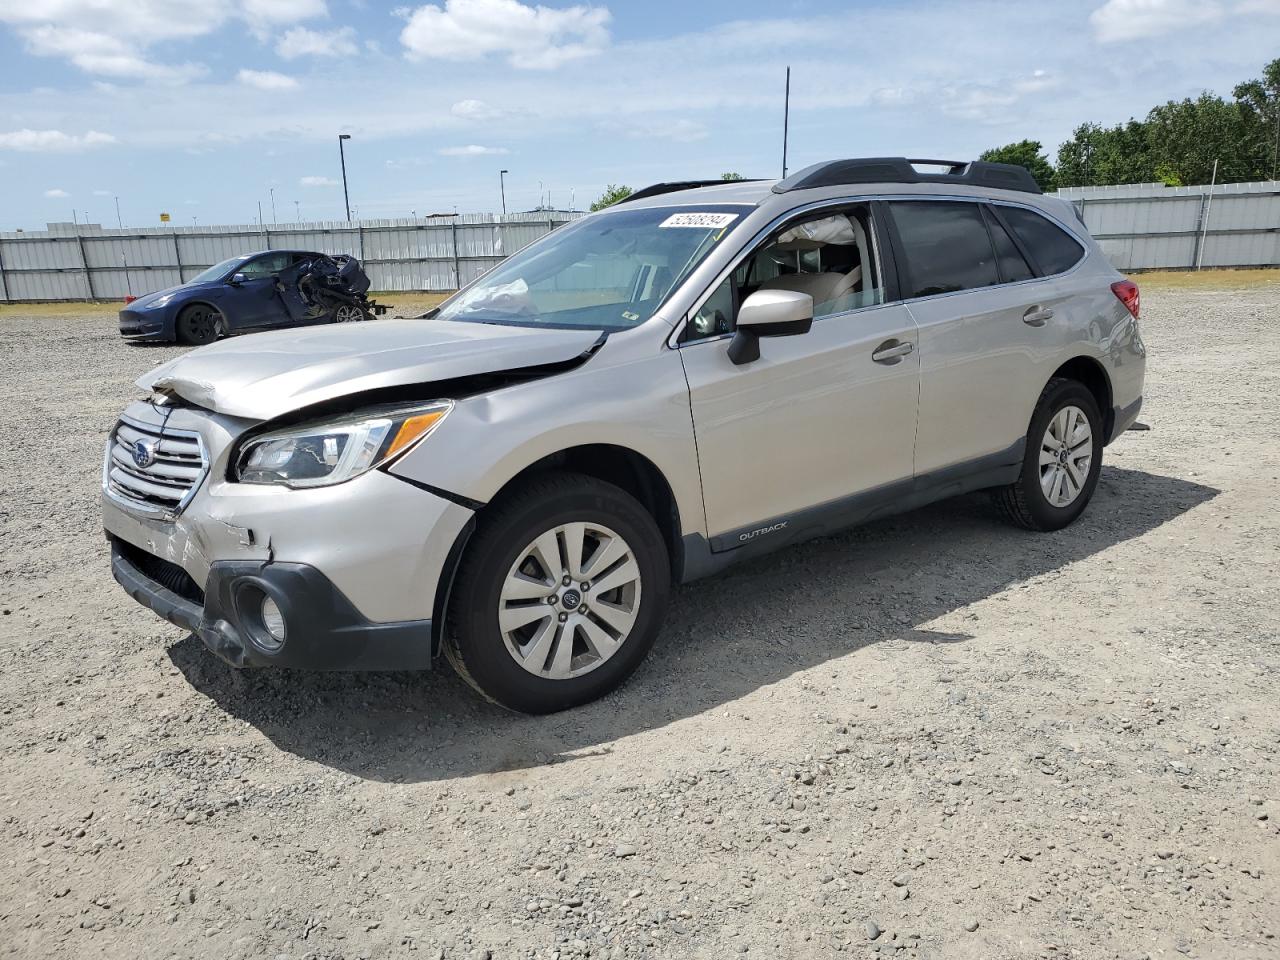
(613, 463)
(1093, 375)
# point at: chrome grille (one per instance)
(162, 486)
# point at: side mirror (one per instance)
(769, 313)
(237, 279)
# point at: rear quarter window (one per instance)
(1052, 248)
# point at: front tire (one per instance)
(198, 324)
(1062, 461)
(560, 595)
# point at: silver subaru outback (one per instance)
(647, 395)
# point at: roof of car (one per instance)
(868, 174)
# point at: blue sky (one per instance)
(200, 109)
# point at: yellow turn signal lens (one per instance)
(414, 429)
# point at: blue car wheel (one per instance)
(198, 324)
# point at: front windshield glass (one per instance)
(607, 272)
(218, 270)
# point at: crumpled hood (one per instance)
(263, 375)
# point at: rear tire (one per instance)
(198, 324)
(1062, 461)
(348, 313)
(526, 626)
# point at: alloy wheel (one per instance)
(1066, 454)
(569, 601)
(346, 313)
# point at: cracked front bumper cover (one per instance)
(323, 630)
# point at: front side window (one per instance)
(828, 255)
(946, 247)
(1051, 248)
(265, 266)
(607, 272)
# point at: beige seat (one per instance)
(823, 287)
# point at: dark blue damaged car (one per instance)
(255, 291)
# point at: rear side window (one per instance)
(1013, 266)
(1053, 250)
(946, 245)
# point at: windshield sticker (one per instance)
(628, 315)
(700, 221)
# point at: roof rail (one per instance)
(657, 189)
(975, 173)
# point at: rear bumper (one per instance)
(1124, 417)
(323, 630)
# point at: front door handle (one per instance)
(892, 351)
(1036, 316)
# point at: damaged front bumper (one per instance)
(352, 570)
(227, 615)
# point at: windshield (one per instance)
(218, 270)
(607, 272)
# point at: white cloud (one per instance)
(266, 80)
(531, 37)
(57, 194)
(301, 42)
(1135, 19)
(112, 37)
(50, 141)
(472, 150)
(475, 110)
(318, 182)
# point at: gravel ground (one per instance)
(935, 736)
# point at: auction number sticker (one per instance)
(700, 221)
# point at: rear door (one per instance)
(984, 332)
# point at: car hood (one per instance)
(147, 298)
(267, 374)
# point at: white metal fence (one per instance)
(1148, 226)
(86, 262)
(1140, 227)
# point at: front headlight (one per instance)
(158, 302)
(325, 452)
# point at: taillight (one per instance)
(130, 299)
(1126, 292)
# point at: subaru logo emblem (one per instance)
(571, 599)
(144, 452)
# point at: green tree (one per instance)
(1185, 137)
(1259, 104)
(732, 176)
(1103, 155)
(1025, 153)
(612, 194)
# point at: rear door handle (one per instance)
(892, 351)
(1036, 316)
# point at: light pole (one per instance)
(119, 221)
(272, 191)
(502, 185)
(297, 212)
(343, 156)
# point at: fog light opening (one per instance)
(273, 620)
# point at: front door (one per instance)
(813, 422)
(788, 442)
(252, 301)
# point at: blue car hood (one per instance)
(148, 298)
